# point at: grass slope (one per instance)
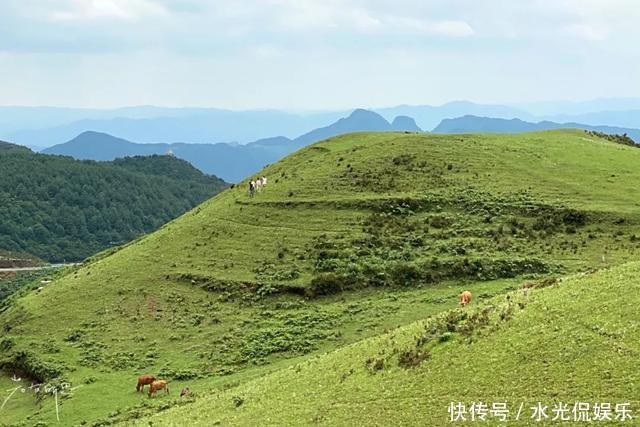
(353, 236)
(542, 345)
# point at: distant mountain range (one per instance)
(468, 124)
(233, 162)
(41, 127)
(190, 125)
(228, 161)
(428, 117)
(577, 108)
(627, 118)
(202, 125)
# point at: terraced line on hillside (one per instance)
(271, 226)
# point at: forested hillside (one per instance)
(58, 208)
(6, 147)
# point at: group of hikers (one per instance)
(256, 185)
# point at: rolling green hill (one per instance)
(543, 345)
(59, 209)
(352, 237)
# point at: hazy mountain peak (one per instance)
(365, 119)
(94, 136)
(405, 123)
(470, 123)
(363, 113)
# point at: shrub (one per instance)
(328, 283)
(440, 221)
(403, 159)
(237, 401)
(92, 356)
(74, 335)
(179, 374)
(402, 274)
(122, 360)
(412, 358)
(475, 321)
(446, 336)
(7, 343)
(374, 364)
(573, 217)
(269, 272)
(33, 367)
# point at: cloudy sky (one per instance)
(315, 54)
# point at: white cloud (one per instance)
(129, 10)
(585, 32)
(314, 53)
(326, 15)
(446, 28)
(266, 51)
(348, 16)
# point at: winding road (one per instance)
(41, 267)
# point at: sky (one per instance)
(315, 54)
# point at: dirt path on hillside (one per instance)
(41, 267)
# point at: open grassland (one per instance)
(540, 345)
(352, 237)
(227, 344)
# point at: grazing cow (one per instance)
(185, 391)
(144, 380)
(465, 298)
(158, 385)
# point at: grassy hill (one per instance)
(528, 346)
(60, 209)
(541, 345)
(352, 237)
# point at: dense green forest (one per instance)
(61, 209)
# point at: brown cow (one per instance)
(465, 298)
(158, 385)
(144, 380)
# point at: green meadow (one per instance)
(545, 346)
(330, 296)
